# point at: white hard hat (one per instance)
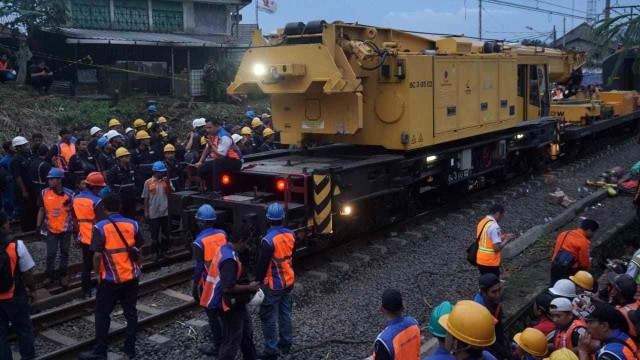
(236, 138)
(257, 298)
(127, 131)
(564, 288)
(94, 130)
(19, 140)
(561, 304)
(198, 122)
(111, 134)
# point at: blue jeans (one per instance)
(55, 241)
(276, 307)
(16, 312)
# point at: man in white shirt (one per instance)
(225, 154)
(14, 299)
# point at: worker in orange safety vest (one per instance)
(400, 339)
(491, 241)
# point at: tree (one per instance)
(623, 29)
(25, 18)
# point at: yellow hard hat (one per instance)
(164, 134)
(169, 148)
(149, 125)
(267, 132)
(563, 354)
(141, 135)
(122, 152)
(470, 323)
(114, 122)
(256, 122)
(161, 120)
(245, 131)
(532, 341)
(138, 123)
(583, 279)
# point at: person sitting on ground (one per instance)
(490, 296)
(531, 345)
(470, 329)
(568, 327)
(542, 312)
(571, 252)
(14, 298)
(400, 338)
(607, 325)
(41, 76)
(5, 68)
(439, 332)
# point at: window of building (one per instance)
(132, 15)
(90, 14)
(167, 16)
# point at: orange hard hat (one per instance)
(95, 179)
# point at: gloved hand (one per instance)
(195, 292)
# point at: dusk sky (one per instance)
(440, 16)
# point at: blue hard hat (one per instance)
(102, 142)
(159, 166)
(275, 211)
(152, 108)
(55, 173)
(11, 75)
(206, 213)
(250, 114)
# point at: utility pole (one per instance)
(258, 26)
(480, 19)
(564, 31)
(554, 35)
(607, 9)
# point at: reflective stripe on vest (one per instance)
(280, 273)
(57, 210)
(401, 337)
(210, 241)
(84, 207)
(487, 255)
(65, 151)
(625, 311)
(233, 151)
(12, 251)
(211, 297)
(116, 265)
(563, 338)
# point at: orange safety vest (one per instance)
(210, 240)
(487, 256)
(212, 291)
(563, 337)
(625, 311)
(58, 210)
(65, 152)
(280, 273)
(233, 151)
(401, 338)
(84, 207)
(116, 265)
(12, 251)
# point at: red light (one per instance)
(226, 180)
(281, 185)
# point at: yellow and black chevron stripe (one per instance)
(322, 204)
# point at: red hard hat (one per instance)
(95, 179)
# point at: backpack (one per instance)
(564, 259)
(472, 250)
(7, 281)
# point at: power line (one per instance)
(530, 8)
(559, 6)
(493, 18)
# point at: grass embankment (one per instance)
(23, 112)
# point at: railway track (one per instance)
(46, 322)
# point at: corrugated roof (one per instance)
(89, 36)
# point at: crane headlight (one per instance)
(259, 70)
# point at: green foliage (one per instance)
(623, 28)
(32, 15)
(218, 76)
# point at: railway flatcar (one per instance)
(380, 121)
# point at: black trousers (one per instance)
(215, 323)
(128, 208)
(42, 82)
(216, 168)
(28, 212)
(154, 227)
(87, 267)
(237, 333)
(489, 270)
(107, 296)
(15, 311)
